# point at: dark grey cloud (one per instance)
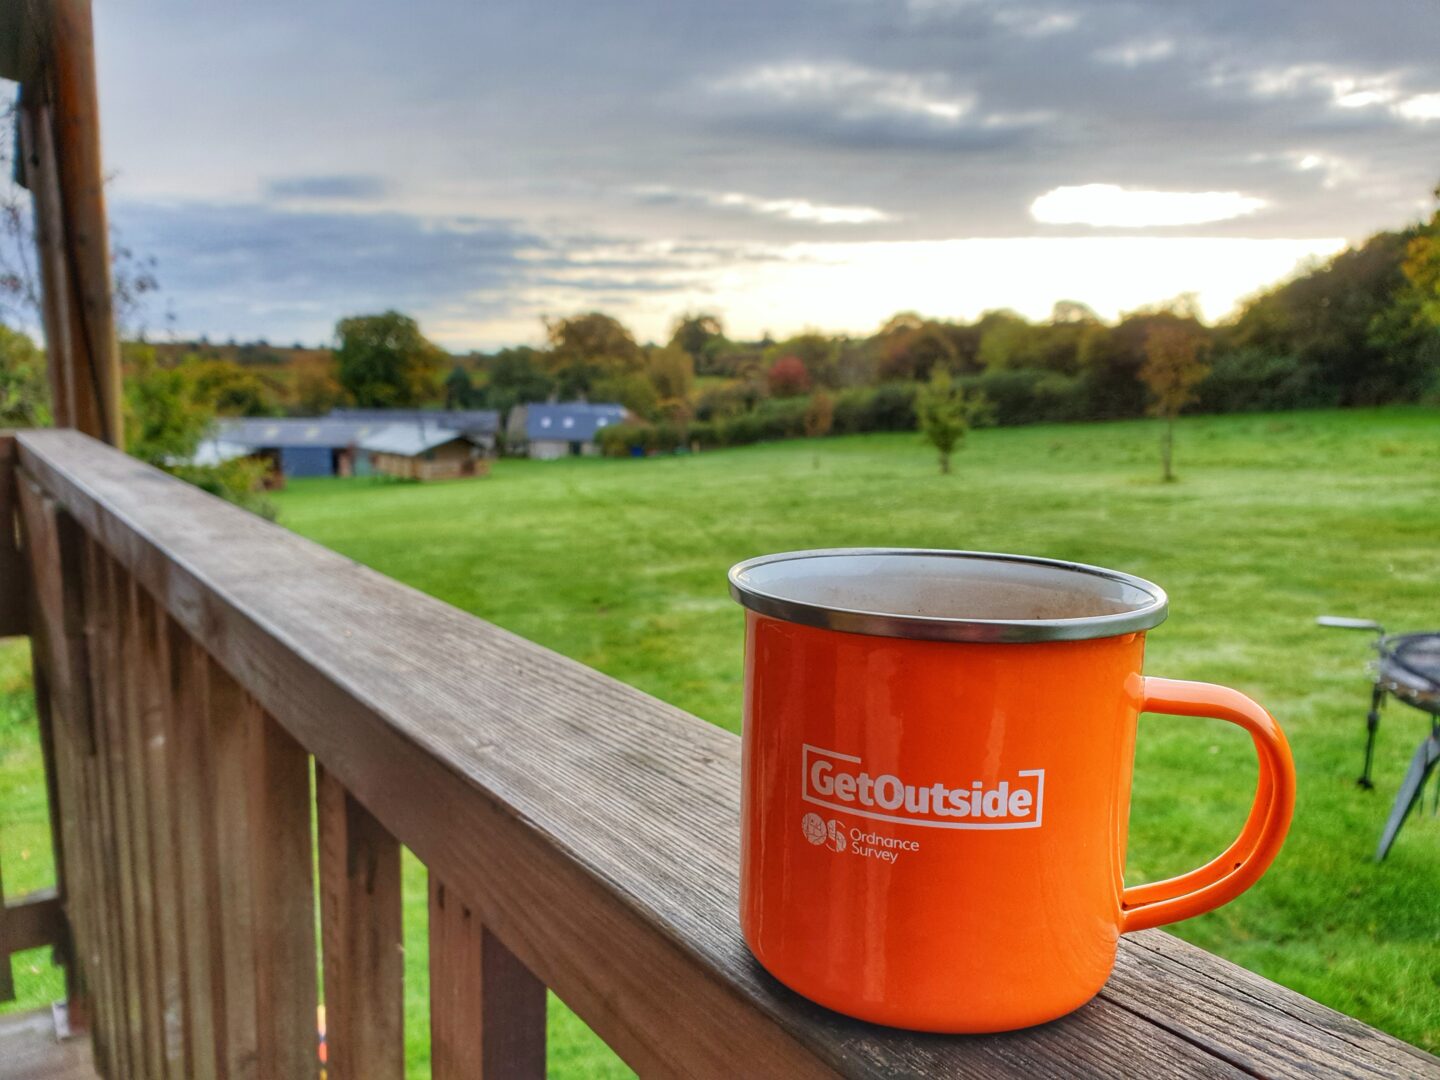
(232, 270)
(237, 269)
(569, 124)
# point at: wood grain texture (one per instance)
(363, 949)
(58, 312)
(67, 85)
(151, 676)
(593, 828)
(53, 546)
(57, 812)
(134, 789)
(265, 892)
(1262, 1027)
(229, 716)
(487, 1010)
(196, 856)
(282, 883)
(116, 880)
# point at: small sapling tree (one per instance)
(946, 412)
(1174, 365)
(819, 415)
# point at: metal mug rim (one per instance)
(939, 628)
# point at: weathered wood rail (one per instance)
(192, 660)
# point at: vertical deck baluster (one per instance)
(360, 918)
(54, 551)
(487, 1010)
(152, 678)
(127, 1057)
(136, 789)
(262, 792)
(192, 770)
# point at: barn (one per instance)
(300, 445)
(423, 451)
(480, 426)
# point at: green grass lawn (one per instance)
(620, 564)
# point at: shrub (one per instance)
(723, 401)
(618, 439)
(704, 433)
(819, 414)
(1011, 393)
(788, 377)
(890, 408)
(240, 481)
(1252, 380)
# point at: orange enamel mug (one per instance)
(937, 760)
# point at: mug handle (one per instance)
(1240, 866)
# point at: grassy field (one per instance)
(1276, 519)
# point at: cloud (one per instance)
(786, 209)
(1134, 53)
(339, 186)
(851, 90)
(1115, 206)
(757, 125)
(1032, 22)
(1421, 107)
(1339, 87)
(849, 105)
(238, 269)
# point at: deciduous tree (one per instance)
(166, 415)
(699, 334)
(787, 377)
(384, 360)
(946, 412)
(1174, 365)
(515, 378)
(459, 390)
(585, 349)
(672, 372)
(314, 388)
(24, 392)
(819, 414)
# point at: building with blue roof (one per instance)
(556, 430)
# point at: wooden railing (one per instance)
(192, 660)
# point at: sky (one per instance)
(787, 165)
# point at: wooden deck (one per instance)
(30, 1051)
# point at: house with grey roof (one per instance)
(556, 430)
(481, 426)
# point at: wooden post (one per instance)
(196, 855)
(266, 896)
(54, 550)
(360, 925)
(150, 671)
(61, 154)
(106, 673)
(487, 1010)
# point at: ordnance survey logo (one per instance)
(839, 782)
